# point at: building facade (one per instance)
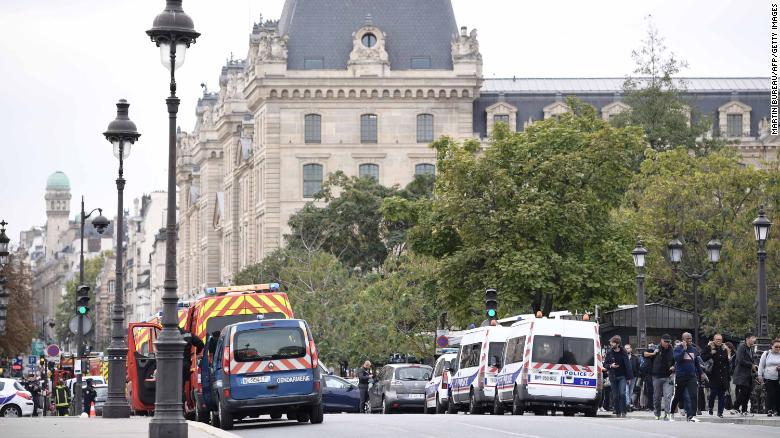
(147, 217)
(363, 87)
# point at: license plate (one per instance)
(545, 378)
(420, 396)
(255, 379)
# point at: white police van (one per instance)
(437, 389)
(473, 381)
(265, 367)
(549, 365)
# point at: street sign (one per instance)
(77, 367)
(32, 360)
(74, 325)
(53, 350)
(442, 342)
(37, 347)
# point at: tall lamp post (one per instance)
(172, 31)
(4, 295)
(675, 248)
(100, 223)
(122, 133)
(639, 254)
(761, 227)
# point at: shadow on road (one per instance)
(266, 423)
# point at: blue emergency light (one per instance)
(274, 287)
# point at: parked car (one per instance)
(100, 399)
(399, 387)
(438, 388)
(339, 395)
(15, 401)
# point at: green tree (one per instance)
(532, 212)
(698, 198)
(67, 307)
(658, 102)
(20, 328)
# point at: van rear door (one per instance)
(544, 375)
(580, 375)
(272, 360)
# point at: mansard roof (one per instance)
(613, 85)
(323, 29)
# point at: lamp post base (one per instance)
(763, 343)
(116, 405)
(167, 428)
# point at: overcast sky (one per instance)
(65, 63)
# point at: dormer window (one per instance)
(369, 40)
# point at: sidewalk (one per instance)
(133, 427)
(757, 420)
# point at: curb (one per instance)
(726, 420)
(211, 430)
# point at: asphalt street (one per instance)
(468, 426)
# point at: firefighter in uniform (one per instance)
(61, 398)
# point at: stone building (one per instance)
(364, 86)
(147, 218)
(104, 305)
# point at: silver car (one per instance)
(399, 387)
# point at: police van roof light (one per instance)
(274, 287)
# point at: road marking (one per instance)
(525, 435)
(640, 432)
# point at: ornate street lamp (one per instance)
(172, 31)
(100, 223)
(122, 133)
(4, 294)
(639, 254)
(675, 248)
(761, 226)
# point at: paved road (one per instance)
(467, 426)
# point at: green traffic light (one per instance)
(492, 313)
(82, 310)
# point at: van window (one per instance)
(469, 355)
(496, 349)
(557, 349)
(267, 344)
(514, 350)
(439, 368)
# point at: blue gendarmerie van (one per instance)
(264, 367)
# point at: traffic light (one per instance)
(82, 300)
(491, 304)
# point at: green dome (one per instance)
(57, 181)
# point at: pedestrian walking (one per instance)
(687, 373)
(364, 377)
(717, 365)
(662, 369)
(631, 384)
(731, 394)
(61, 398)
(620, 374)
(768, 371)
(88, 396)
(646, 373)
(744, 367)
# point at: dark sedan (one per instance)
(339, 395)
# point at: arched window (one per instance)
(368, 132)
(311, 128)
(312, 180)
(424, 128)
(370, 170)
(425, 169)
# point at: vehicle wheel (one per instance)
(190, 416)
(214, 418)
(316, 414)
(540, 412)
(385, 407)
(474, 407)
(302, 416)
(568, 413)
(498, 407)
(276, 415)
(452, 408)
(11, 411)
(517, 404)
(591, 412)
(225, 418)
(439, 407)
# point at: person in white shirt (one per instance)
(768, 370)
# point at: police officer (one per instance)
(364, 377)
(89, 395)
(31, 385)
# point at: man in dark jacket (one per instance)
(744, 367)
(687, 373)
(663, 367)
(719, 374)
(89, 395)
(620, 374)
(630, 387)
(364, 377)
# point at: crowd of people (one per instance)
(56, 400)
(679, 374)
